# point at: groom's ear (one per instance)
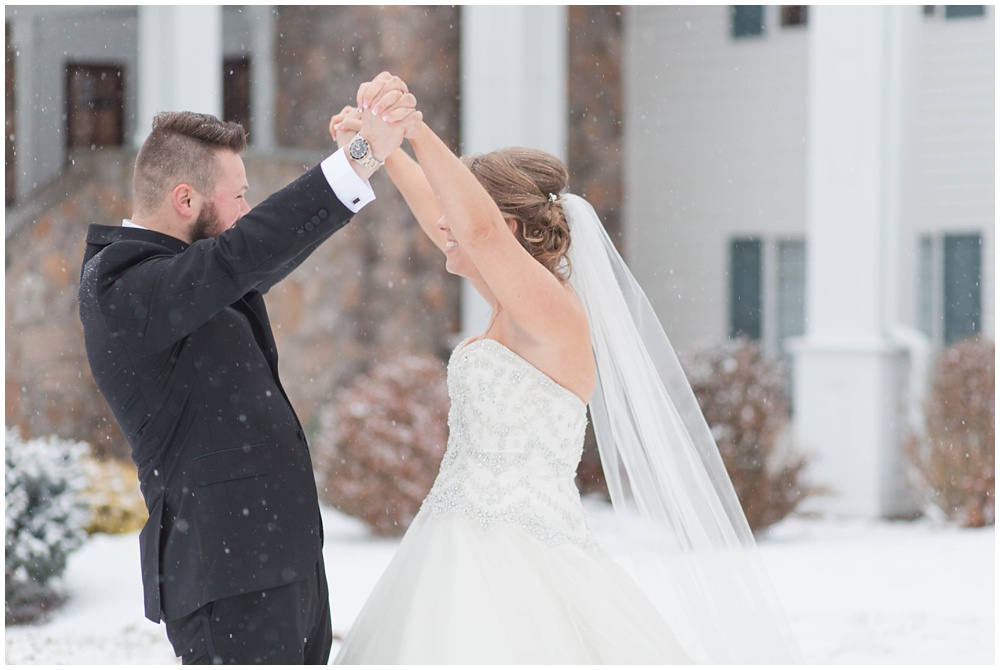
(183, 199)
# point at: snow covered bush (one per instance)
(742, 395)
(380, 442)
(953, 457)
(113, 496)
(45, 519)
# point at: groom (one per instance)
(180, 346)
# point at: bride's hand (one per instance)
(388, 111)
(345, 125)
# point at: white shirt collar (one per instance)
(128, 224)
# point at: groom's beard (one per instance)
(207, 225)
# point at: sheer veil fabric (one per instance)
(693, 551)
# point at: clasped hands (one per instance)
(386, 113)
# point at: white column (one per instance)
(263, 83)
(29, 113)
(853, 367)
(514, 93)
(180, 62)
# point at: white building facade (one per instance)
(822, 180)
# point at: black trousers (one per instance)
(287, 625)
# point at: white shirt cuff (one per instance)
(349, 188)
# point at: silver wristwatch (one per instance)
(360, 151)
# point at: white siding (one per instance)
(715, 147)
(957, 124)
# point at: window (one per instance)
(745, 288)
(747, 20)
(791, 292)
(236, 91)
(767, 291)
(950, 299)
(794, 15)
(963, 11)
(95, 107)
(955, 11)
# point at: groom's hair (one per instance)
(180, 149)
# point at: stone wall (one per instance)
(49, 388)
(379, 287)
(594, 151)
(595, 110)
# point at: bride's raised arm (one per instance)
(409, 178)
(536, 301)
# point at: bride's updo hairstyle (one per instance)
(525, 185)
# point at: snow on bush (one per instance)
(742, 395)
(953, 457)
(380, 442)
(45, 519)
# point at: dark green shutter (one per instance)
(747, 20)
(962, 286)
(745, 288)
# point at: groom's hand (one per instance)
(345, 125)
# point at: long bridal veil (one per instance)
(693, 551)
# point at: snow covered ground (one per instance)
(855, 592)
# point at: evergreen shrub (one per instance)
(45, 520)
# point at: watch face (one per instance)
(359, 147)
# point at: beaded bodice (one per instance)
(516, 438)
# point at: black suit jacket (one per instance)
(180, 346)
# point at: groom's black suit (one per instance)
(181, 348)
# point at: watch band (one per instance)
(370, 161)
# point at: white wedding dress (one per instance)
(499, 566)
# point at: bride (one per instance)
(499, 565)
